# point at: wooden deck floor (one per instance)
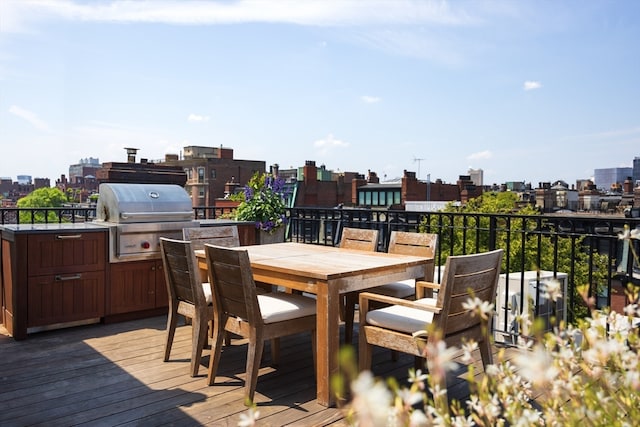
(113, 374)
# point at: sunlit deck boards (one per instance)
(114, 375)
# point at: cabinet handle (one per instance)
(68, 236)
(63, 278)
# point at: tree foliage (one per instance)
(531, 242)
(41, 198)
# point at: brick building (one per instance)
(394, 195)
(211, 172)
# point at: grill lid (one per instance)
(129, 203)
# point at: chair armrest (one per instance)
(425, 289)
(365, 297)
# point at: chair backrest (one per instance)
(234, 291)
(408, 243)
(359, 238)
(181, 272)
(226, 235)
(465, 276)
(418, 244)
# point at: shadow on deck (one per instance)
(114, 375)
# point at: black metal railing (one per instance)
(583, 251)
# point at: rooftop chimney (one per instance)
(131, 154)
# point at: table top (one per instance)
(323, 262)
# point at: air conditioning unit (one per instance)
(510, 300)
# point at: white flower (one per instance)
(467, 349)
(441, 357)
(418, 378)
(552, 290)
(629, 234)
(484, 309)
(537, 366)
(248, 418)
(372, 400)
(418, 418)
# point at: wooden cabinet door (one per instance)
(66, 252)
(63, 298)
(133, 287)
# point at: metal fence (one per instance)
(581, 252)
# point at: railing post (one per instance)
(493, 226)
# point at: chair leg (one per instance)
(485, 352)
(199, 338)
(275, 351)
(172, 321)
(350, 301)
(216, 348)
(365, 350)
(254, 355)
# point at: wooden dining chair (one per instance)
(226, 235)
(363, 240)
(188, 296)
(239, 309)
(403, 243)
(408, 243)
(394, 326)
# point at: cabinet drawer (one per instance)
(63, 298)
(61, 253)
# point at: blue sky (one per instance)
(525, 90)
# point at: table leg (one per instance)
(328, 341)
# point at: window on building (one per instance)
(213, 174)
(200, 175)
(201, 193)
(396, 197)
(361, 198)
(383, 198)
(374, 198)
(189, 173)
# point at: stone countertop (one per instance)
(49, 228)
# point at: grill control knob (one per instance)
(145, 245)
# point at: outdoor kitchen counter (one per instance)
(50, 228)
(53, 275)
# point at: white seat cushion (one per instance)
(279, 306)
(207, 292)
(402, 289)
(402, 319)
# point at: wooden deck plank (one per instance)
(114, 374)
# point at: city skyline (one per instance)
(526, 91)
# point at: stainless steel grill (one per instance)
(139, 214)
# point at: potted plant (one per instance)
(264, 204)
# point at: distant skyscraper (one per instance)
(636, 170)
(476, 176)
(24, 179)
(608, 177)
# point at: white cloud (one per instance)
(322, 13)
(531, 85)
(30, 117)
(370, 99)
(324, 146)
(197, 118)
(481, 155)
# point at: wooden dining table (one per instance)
(327, 272)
